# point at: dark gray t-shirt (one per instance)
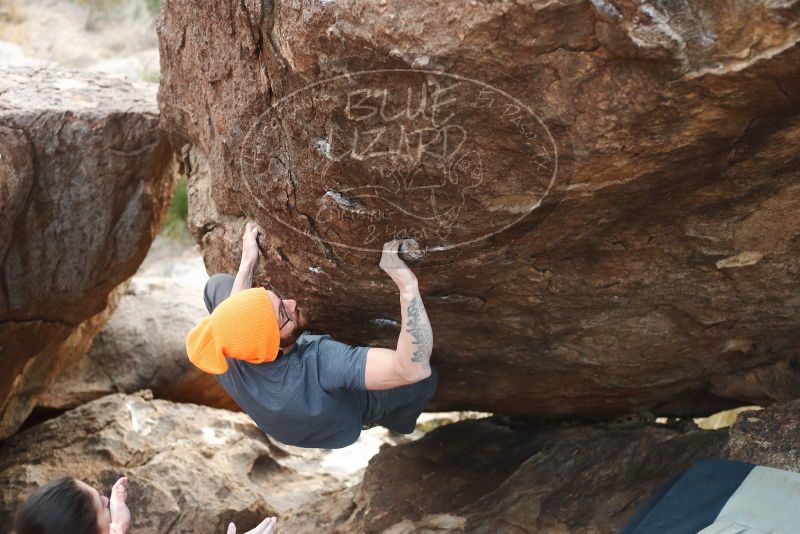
(306, 397)
(315, 395)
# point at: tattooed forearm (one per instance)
(415, 342)
(420, 329)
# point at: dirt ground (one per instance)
(113, 36)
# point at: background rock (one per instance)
(85, 179)
(769, 437)
(478, 476)
(143, 345)
(473, 476)
(659, 271)
(165, 449)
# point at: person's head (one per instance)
(292, 329)
(64, 506)
(250, 325)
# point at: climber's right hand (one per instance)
(393, 265)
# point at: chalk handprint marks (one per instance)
(362, 158)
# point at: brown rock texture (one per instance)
(143, 344)
(769, 437)
(610, 227)
(480, 477)
(166, 451)
(85, 179)
(194, 468)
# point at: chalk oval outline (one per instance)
(291, 95)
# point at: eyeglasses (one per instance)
(283, 313)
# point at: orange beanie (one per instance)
(244, 326)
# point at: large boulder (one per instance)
(603, 190)
(143, 344)
(769, 437)
(194, 468)
(482, 477)
(191, 468)
(85, 179)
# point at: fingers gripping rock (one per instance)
(410, 251)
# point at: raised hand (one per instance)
(120, 515)
(250, 251)
(395, 267)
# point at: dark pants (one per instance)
(402, 405)
(218, 288)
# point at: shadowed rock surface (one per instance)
(143, 344)
(85, 179)
(655, 266)
(477, 476)
(194, 469)
(165, 449)
(769, 437)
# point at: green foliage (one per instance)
(178, 215)
(154, 6)
(153, 76)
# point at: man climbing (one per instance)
(310, 390)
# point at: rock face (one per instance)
(769, 437)
(143, 345)
(165, 450)
(85, 179)
(603, 191)
(194, 469)
(477, 476)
